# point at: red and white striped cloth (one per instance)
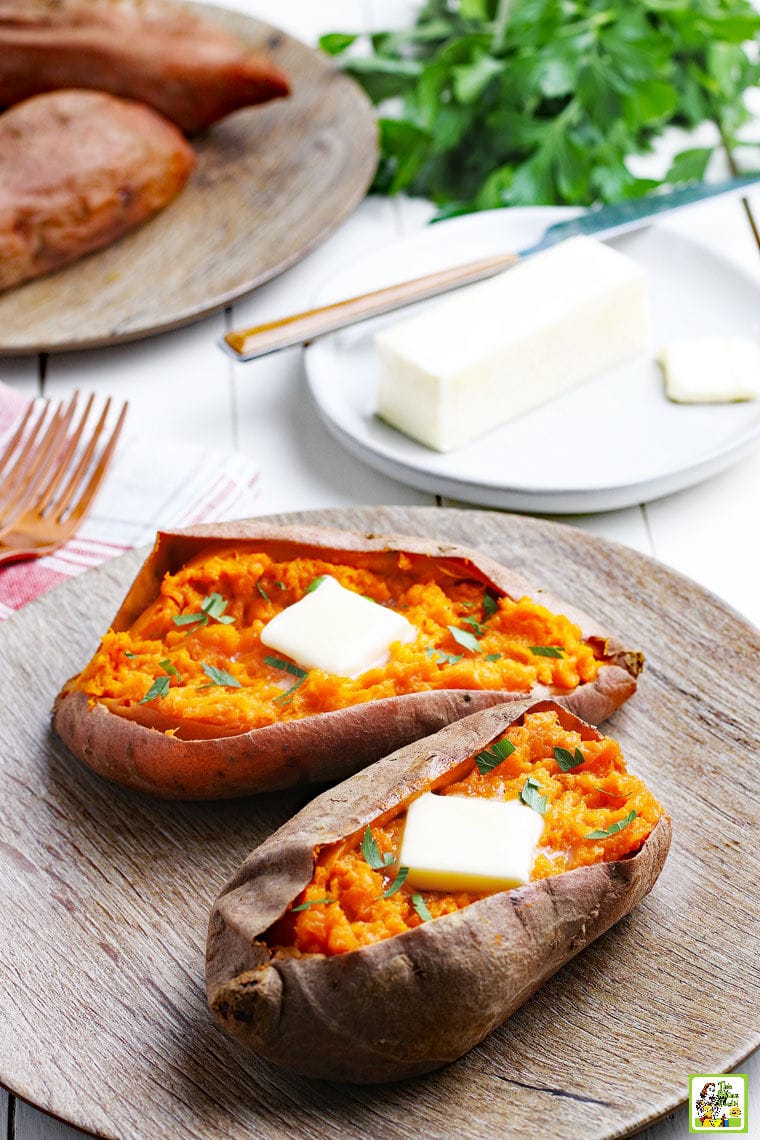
(152, 484)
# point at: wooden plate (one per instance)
(271, 182)
(105, 894)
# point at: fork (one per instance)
(47, 481)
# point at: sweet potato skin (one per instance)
(406, 1005)
(157, 52)
(315, 749)
(78, 169)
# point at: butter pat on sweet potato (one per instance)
(471, 363)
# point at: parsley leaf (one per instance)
(491, 757)
(397, 883)
(421, 907)
(439, 656)
(568, 760)
(220, 676)
(547, 650)
(604, 833)
(288, 666)
(371, 852)
(313, 902)
(465, 639)
(531, 795)
(490, 605)
(261, 590)
(159, 688)
(212, 607)
(316, 582)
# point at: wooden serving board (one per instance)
(270, 183)
(105, 894)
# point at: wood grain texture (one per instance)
(271, 181)
(105, 895)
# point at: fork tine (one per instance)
(39, 455)
(86, 497)
(63, 459)
(83, 462)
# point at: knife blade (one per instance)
(600, 221)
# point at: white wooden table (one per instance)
(180, 385)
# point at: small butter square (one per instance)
(711, 369)
(463, 843)
(336, 630)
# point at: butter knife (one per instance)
(601, 221)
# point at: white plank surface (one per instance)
(181, 386)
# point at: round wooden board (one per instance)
(270, 183)
(105, 894)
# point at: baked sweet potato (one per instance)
(160, 53)
(77, 170)
(183, 700)
(316, 962)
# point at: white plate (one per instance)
(611, 442)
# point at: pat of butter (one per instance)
(462, 843)
(334, 629)
(711, 369)
(500, 348)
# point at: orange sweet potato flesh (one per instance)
(78, 169)
(159, 53)
(409, 1003)
(136, 744)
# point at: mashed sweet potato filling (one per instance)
(195, 654)
(590, 797)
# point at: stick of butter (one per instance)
(502, 347)
(711, 369)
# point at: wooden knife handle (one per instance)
(300, 328)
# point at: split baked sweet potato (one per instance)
(78, 169)
(159, 53)
(322, 957)
(183, 698)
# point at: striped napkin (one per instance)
(152, 484)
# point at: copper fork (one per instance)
(50, 472)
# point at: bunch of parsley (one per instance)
(515, 102)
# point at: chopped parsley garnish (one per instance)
(604, 833)
(371, 852)
(220, 676)
(439, 656)
(261, 590)
(168, 668)
(397, 883)
(128, 654)
(491, 757)
(464, 638)
(568, 760)
(313, 902)
(475, 625)
(607, 792)
(490, 605)
(280, 585)
(159, 688)
(288, 666)
(493, 657)
(531, 795)
(547, 650)
(212, 607)
(287, 695)
(313, 585)
(419, 905)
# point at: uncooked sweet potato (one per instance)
(77, 170)
(319, 960)
(184, 700)
(160, 53)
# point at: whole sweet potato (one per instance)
(160, 53)
(77, 170)
(135, 742)
(415, 1000)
